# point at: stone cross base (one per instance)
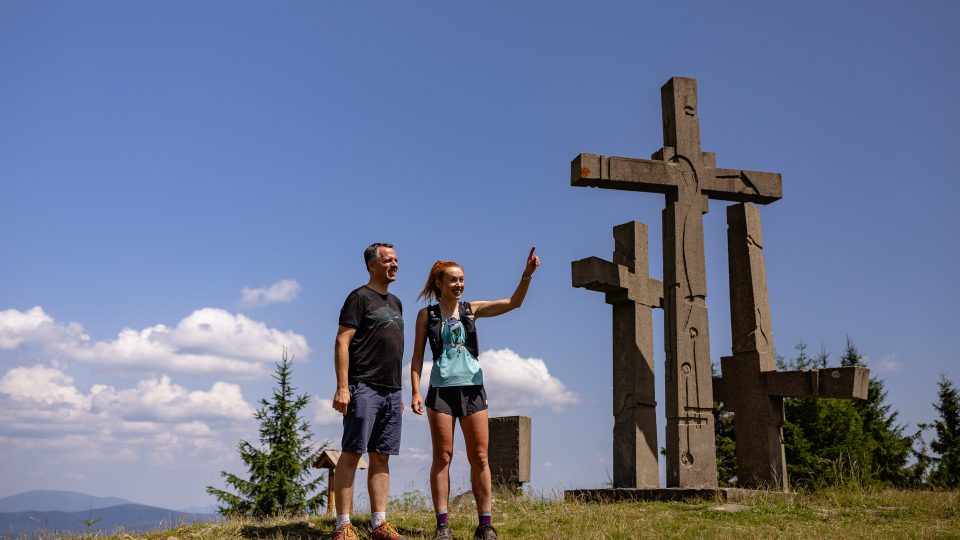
(612, 495)
(509, 451)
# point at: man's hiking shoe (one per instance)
(443, 532)
(347, 532)
(386, 531)
(485, 532)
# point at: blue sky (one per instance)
(158, 159)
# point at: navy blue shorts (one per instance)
(372, 422)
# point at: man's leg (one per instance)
(384, 442)
(357, 425)
(343, 482)
(378, 481)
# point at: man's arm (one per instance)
(416, 363)
(341, 363)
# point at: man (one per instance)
(367, 357)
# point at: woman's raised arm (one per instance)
(492, 308)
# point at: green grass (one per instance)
(835, 513)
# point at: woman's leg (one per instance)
(476, 435)
(441, 437)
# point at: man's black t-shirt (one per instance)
(376, 350)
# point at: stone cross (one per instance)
(633, 296)
(751, 387)
(688, 177)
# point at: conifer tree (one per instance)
(828, 441)
(888, 447)
(280, 470)
(725, 440)
(946, 472)
(823, 438)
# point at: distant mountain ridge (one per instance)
(124, 517)
(57, 501)
(35, 512)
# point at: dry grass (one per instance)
(840, 513)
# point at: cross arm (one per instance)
(843, 382)
(611, 172)
(743, 186)
(617, 282)
(661, 176)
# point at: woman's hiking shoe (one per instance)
(443, 532)
(347, 532)
(485, 532)
(386, 531)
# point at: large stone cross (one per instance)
(751, 387)
(688, 177)
(633, 296)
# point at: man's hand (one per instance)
(341, 400)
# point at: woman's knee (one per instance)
(442, 457)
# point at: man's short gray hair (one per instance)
(372, 252)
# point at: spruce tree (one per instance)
(888, 447)
(946, 472)
(725, 436)
(823, 438)
(280, 470)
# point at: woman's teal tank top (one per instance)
(455, 366)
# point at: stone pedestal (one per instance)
(509, 451)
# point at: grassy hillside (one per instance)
(829, 514)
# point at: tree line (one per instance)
(831, 442)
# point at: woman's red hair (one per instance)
(431, 292)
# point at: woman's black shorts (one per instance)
(457, 401)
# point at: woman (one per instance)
(456, 383)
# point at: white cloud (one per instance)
(888, 364)
(324, 414)
(194, 428)
(152, 400)
(417, 454)
(209, 340)
(513, 383)
(285, 290)
(17, 327)
(42, 385)
(157, 399)
(41, 408)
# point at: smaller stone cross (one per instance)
(633, 296)
(751, 386)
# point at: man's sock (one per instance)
(378, 519)
(442, 517)
(485, 518)
(342, 519)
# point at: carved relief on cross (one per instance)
(633, 296)
(688, 177)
